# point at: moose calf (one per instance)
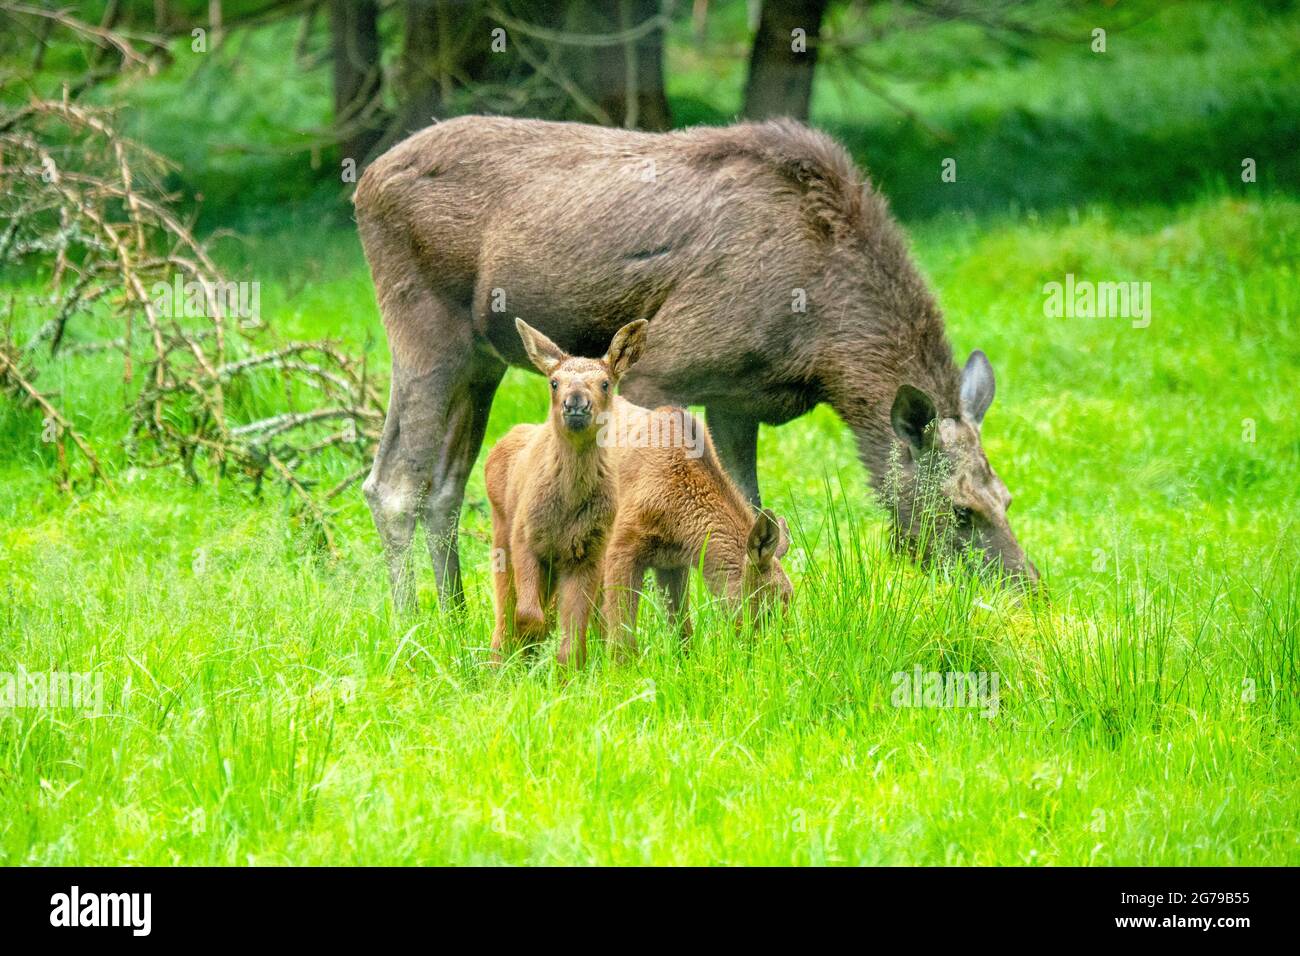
(678, 509)
(552, 493)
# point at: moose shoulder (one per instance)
(773, 279)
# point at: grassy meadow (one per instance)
(263, 705)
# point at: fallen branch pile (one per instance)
(84, 213)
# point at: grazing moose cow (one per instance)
(773, 279)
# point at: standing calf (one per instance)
(551, 488)
(678, 509)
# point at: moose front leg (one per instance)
(529, 592)
(675, 583)
(503, 633)
(624, 572)
(735, 437)
(575, 598)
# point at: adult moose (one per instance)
(772, 277)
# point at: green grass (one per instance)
(263, 706)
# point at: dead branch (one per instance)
(77, 197)
(12, 377)
(102, 36)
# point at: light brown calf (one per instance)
(552, 492)
(678, 509)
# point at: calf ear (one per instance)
(542, 352)
(911, 416)
(626, 347)
(977, 387)
(784, 546)
(764, 539)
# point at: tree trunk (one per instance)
(447, 49)
(354, 39)
(781, 74)
(446, 43)
(421, 85)
(625, 79)
(652, 99)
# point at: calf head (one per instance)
(765, 583)
(949, 499)
(582, 388)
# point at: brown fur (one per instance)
(678, 510)
(711, 234)
(552, 492)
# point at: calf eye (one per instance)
(554, 384)
(604, 386)
(964, 516)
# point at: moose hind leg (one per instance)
(465, 420)
(432, 431)
(398, 478)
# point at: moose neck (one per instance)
(718, 548)
(577, 466)
(868, 370)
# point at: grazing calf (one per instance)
(678, 509)
(552, 491)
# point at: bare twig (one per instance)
(75, 193)
(11, 374)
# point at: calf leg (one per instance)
(503, 633)
(530, 589)
(575, 598)
(736, 439)
(674, 581)
(624, 572)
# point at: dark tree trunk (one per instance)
(354, 41)
(780, 78)
(652, 99)
(447, 53)
(446, 44)
(626, 80)
(422, 80)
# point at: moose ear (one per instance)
(764, 539)
(912, 413)
(542, 352)
(626, 347)
(977, 387)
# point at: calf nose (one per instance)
(576, 404)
